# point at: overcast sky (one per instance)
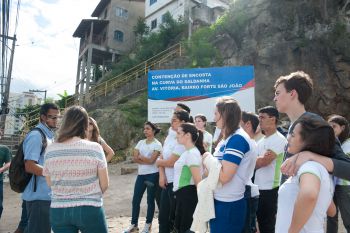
(46, 53)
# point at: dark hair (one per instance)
(252, 117)
(340, 120)
(95, 134)
(318, 136)
(182, 115)
(298, 81)
(74, 123)
(44, 109)
(196, 135)
(204, 119)
(230, 113)
(271, 111)
(184, 107)
(154, 127)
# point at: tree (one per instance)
(141, 29)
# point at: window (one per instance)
(121, 12)
(163, 17)
(151, 2)
(105, 15)
(153, 24)
(118, 36)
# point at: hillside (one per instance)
(276, 37)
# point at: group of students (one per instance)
(312, 160)
(69, 174)
(191, 185)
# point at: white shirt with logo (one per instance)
(269, 177)
(287, 196)
(240, 150)
(182, 168)
(147, 150)
(171, 147)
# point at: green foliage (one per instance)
(141, 29)
(233, 23)
(150, 43)
(30, 115)
(62, 102)
(201, 51)
(135, 110)
(339, 39)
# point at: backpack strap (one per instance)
(43, 147)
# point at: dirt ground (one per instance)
(117, 203)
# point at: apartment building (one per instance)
(14, 123)
(104, 38)
(196, 12)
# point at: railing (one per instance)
(106, 87)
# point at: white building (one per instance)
(18, 100)
(198, 11)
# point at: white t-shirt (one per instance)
(269, 177)
(216, 134)
(147, 150)
(346, 148)
(288, 193)
(171, 147)
(241, 150)
(182, 168)
(208, 140)
(254, 189)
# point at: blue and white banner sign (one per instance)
(198, 88)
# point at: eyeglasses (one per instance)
(52, 117)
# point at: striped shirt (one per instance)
(72, 167)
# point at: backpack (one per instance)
(18, 176)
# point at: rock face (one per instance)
(279, 37)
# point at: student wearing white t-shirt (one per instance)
(170, 154)
(145, 154)
(342, 187)
(303, 199)
(201, 122)
(267, 175)
(187, 174)
(237, 154)
(250, 123)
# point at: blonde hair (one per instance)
(74, 124)
(95, 134)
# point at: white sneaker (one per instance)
(147, 228)
(131, 228)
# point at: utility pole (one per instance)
(5, 95)
(40, 91)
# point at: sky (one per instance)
(46, 54)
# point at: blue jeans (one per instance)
(341, 200)
(1, 194)
(87, 219)
(229, 216)
(142, 183)
(38, 213)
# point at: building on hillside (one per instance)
(197, 12)
(14, 123)
(104, 38)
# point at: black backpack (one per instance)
(18, 176)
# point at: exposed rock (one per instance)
(279, 37)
